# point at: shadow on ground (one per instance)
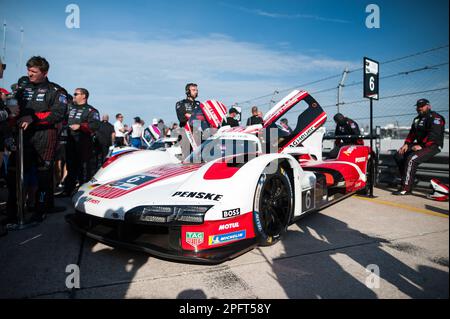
(333, 249)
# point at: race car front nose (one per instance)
(161, 215)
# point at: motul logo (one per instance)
(228, 226)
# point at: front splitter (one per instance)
(110, 235)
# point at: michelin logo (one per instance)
(220, 239)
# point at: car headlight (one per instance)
(160, 214)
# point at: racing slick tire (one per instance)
(273, 205)
(371, 174)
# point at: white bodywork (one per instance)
(236, 191)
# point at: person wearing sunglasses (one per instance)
(83, 121)
(424, 141)
(120, 131)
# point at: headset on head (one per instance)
(188, 92)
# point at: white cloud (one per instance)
(146, 77)
(277, 15)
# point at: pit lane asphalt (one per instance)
(324, 255)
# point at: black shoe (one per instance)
(58, 190)
(401, 193)
(37, 218)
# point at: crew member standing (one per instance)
(83, 121)
(185, 107)
(184, 110)
(425, 140)
(42, 106)
(105, 137)
(345, 126)
(231, 120)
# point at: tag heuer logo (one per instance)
(195, 239)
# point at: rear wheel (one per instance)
(372, 167)
(273, 204)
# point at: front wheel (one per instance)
(273, 204)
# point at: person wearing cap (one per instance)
(255, 118)
(136, 132)
(231, 121)
(345, 126)
(424, 141)
(155, 133)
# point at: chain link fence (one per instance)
(403, 81)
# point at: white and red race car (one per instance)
(228, 196)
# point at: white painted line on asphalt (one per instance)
(28, 240)
(402, 206)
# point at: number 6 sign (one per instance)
(371, 77)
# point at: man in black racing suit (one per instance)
(42, 106)
(425, 140)
(83, 121)
(184, 109)
(345, 126)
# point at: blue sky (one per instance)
(136, 56)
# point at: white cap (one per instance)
(155, 121)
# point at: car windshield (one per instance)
(213, 149)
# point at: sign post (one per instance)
(20, 188)
(371, 90)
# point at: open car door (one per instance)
(302, 111)
(210, 114)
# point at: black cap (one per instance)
(233, 110)
(137, 119)
(422, 102)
